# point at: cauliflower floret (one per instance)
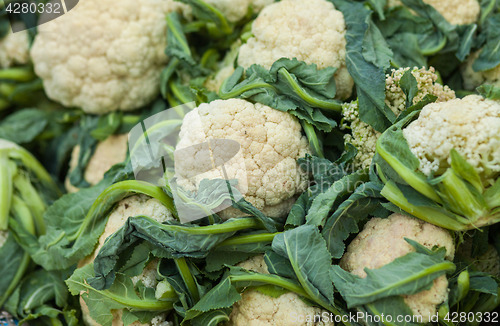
(14, 49)
(258, 309)
(363, 136)
(311, 31)
(104, 57)
(470, 125)
(236, 11)
(4, 235)
(266, 164)
(131, 206)
(111, 151)
(370, 249)
(457, 12)
(473, 79)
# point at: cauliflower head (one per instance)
(14, 49)
(363, 136)
(104, 57)
(457, 12)
(111, 151)
(473, 79)
(370, 249)
(266, 166)
(131, 206)
(237, 10)
(311, 31)
(258, 309)
(470, 125)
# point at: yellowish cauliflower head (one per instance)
(258, 309)
(104, 57)
(363, 136)
(473, 79)
(312, 31)
(14, 49)
(109, 152)
(457, 12)
(131, 206)
(236, 10)
(470, 125)
(266, 166)
(382, 241)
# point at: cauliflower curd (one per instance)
(311, 31)
(104, 56)
(473, 79)
(109, 152)
(270, 144)
(237, 10)
(382, 241)
(470, 125)
(457, 12)
(258, 309)
(14, 49)
(131, 206)
(363, 136)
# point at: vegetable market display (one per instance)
(251, 162)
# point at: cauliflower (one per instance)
(109, 152)
(266, 165)
(363, 136)
(237, 11)
(225, 68)
(457, 12)
(470, 125)
(258, 309)
(311, 31)
(14, 49)
(131, 206)
(102, 56)
(473, 79)
(370, 249)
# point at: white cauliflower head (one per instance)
(363, 136)
(14, 49)
(104, 57)
(266, 166)
(470, 125)
(131, 206)
(371, 249)
(237, 10)
(473, 79)
(258, 309)
(457, 12)
(311, 31)
(111, 151)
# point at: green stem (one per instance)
(31, 196)
(6, 174)
(243, 89)
(313, 139)
(428, 214)
(17, 277)
(327, 105)
(188, 278)
(22, 213)
(22, 74)
(121, 190)
(226, 227)
(252, 238)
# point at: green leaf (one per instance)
(290, 86)
(121, 295)
(306, 250)
(489, 91)
(107, 125)
(390, 306)
(375, 48)
(489, 57)
(24, 125)
(361, 204)
(172, 238)
(405, 275)
(409, 86)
